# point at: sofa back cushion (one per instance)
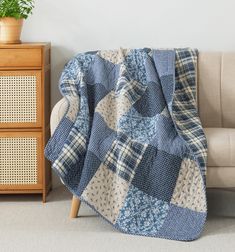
(216, 89)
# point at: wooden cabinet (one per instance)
(24, 118)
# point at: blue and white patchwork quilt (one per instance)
(131, 144)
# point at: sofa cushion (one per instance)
(216, 89)
(221, 146)
(220, 177)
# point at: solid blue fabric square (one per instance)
(56, 143)
(157, 173)
(185, 224)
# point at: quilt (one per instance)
(131, 144)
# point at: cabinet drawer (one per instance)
(20, 160)
(20, 98)
(20, 57)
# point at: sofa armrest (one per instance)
(57, 113)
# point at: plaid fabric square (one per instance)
(124, 156)
(74, 148)
(185, 105)
(134, 90)
(129, 87)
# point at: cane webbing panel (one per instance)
(18, 160)
(18, 96)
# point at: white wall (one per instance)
(73, 26)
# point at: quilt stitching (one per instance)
(154, 164)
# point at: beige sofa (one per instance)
(216, 103)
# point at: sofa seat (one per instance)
(221, 157)
(221, 147)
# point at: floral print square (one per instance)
(141, 213)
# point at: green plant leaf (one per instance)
(16, 8)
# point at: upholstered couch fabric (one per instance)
(216, 89)
(221, 145)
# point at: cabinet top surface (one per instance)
(25, 45)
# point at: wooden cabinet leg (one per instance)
(75, 207)
(44, 196)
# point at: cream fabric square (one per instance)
(106, 192)
(73, 108)
(115, 56)
(112, 107)
(189, 191)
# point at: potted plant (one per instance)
(12, 14)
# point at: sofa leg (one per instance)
(75, 207)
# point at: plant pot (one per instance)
(10, 30)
